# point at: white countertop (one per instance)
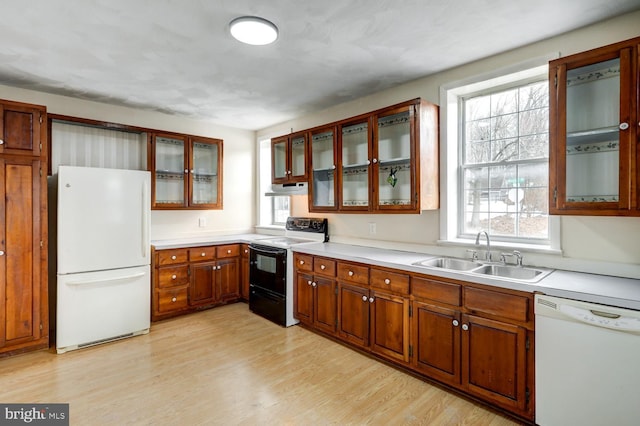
(607, 290)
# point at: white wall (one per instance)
(239, 156)
(602, 245)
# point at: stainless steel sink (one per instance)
(449, 263)
(519, 273)
(507, 272)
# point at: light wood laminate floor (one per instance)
(228, 366)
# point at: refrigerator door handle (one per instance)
(106, 280)
(145, 219)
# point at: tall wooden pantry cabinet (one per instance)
(24, 322)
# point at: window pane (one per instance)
(504, 182)
(280, 209)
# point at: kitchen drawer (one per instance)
(173, 276)
(229, 250)
(326, 267)
(504, 305)
(172, 300)
(391, 281)
(170, 257)
(437, 291)
(349, 272)
(303, 262)
(198, 254)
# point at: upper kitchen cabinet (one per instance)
(323, 182)
(387, 162)
(187, 172)
(21, 128)
(289, 158)
(593, 157)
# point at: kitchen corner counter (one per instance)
(603, 289)
(206, 240)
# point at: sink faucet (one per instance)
(487, 255)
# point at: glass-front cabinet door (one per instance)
(170, 171)
(355, 165)
(205, 164)
(394, 160)
(322, 190)
(187, 172)
(289, 158)
(591, 147)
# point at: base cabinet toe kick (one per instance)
(475, 339)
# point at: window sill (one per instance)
(529, 248)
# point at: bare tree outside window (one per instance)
(505, 163)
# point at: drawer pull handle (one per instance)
(323, 267)
(455, 323)
(350, 273)
(173, 257)
(228, 251)
(246, 251)
(173, 277)
(364, 298)
(387, 281)
(174, 299)
(203, 254)
(302, 262)
(1, 142)
(465, 327)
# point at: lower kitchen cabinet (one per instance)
(315, 295)
(188, 279)
(472, 338)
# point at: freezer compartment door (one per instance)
(103, 219)
(99, 306)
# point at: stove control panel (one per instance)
(309, 224)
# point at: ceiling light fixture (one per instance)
(253, 30)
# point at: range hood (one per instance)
(277, 189)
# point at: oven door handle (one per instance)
(268, 250)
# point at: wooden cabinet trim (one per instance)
(498, 304)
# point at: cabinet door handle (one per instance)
(455, 323)
(368, 162)
(173, 277)
(219, 267)
(309, 282)
(1, 142)
(465, 327)
(350, 273)
(371, 299)
(186, 171)
(1, 253)
(364, 298)
(624, 126)
(192, 171)
(375, 160)
(387, 281)
(333, 167)
(313, 284)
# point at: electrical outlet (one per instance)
(202, 222)
(372, 228)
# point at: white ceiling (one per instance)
(178, 56)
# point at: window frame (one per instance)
(451, 152)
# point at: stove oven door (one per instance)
(268, 268)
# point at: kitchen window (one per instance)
(495, 130)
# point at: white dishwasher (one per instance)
(587, 363)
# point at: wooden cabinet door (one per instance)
(494, 361)
(353, 314)
(21, 290)
(436, 341)
(280, 159)
(303, 298)
(202, 286)
(228, 279)
(325, 305)
(244, 271)
(390, 326)
(205, 173)
(21, 129)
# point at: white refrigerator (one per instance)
(103, 255)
